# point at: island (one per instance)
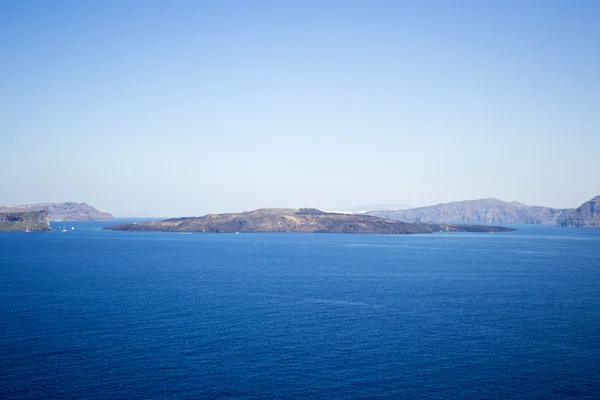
(482, 211)
(309, 220)
(24, 221)
(69, 211)
(586, 215)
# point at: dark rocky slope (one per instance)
(21, 221)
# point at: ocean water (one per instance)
(100, 314)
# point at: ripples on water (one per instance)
(100, 314)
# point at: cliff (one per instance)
(484, 211)
(295, 220)
(68, 211)
(21, 221)
(586, 215)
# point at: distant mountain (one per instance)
(483, 211)
(308, 220)
(368, 207)
(63, 211)
(23, 221)
(586, 215)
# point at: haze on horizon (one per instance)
(149, 108)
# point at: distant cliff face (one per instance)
(63, 211)
(585, 216)
(294, 220)
(484, 211)
(22, 221)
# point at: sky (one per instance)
(182, 108)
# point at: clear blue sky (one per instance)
(172, 108)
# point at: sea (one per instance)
(97, 314)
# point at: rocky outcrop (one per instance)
(484, 211)
(296, 220)
(586, 215)
(24, 221)
(68, 211)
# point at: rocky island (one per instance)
(24, 221)
(68, 211)
(586, 215)
(308, 220)
(482, 211)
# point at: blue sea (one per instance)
(97, 314)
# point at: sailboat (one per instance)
(27, 229)
(64, 228)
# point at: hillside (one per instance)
(22, 221)
(483, 211)
(295, 220)
(68, 211)
(586, 215)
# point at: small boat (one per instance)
(27, 229)
(72, 228)
(64, 228)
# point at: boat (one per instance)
(72, 228)
(64, 228)
(27, 229)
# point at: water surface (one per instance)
(100, 314)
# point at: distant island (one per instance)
(68, 211)
(367, 207)
(586, 215)
(24, 221)
(308, 220)
(482, 211)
